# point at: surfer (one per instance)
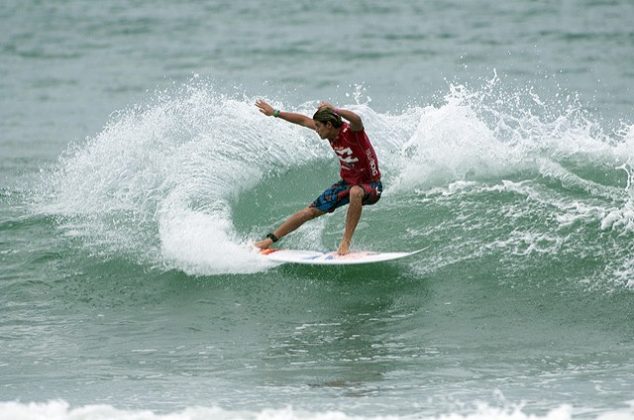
(360, 182)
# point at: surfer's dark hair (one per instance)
(328, 115)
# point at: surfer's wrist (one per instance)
(272, 237)
(276, 114)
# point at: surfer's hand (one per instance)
(264, 107)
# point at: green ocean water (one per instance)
(135, 170)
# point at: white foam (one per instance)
(200, 244)
(61, 410)
(468, 137)
(450, 143)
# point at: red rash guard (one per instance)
(357, 158)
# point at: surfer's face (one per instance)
(325, 131)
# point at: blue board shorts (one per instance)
(339, 195)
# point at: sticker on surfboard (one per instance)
(297, 256)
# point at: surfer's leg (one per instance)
(352, 218)
(334, 196)
(359, 196)
(290, 224)
(297, 220)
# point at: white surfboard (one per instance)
(297, 256)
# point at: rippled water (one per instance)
(135, 169)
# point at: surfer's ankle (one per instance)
(344, 248)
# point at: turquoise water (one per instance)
(135, 170)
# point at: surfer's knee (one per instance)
(311, 213)
(356, 193)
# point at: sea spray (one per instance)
(480, 173)
(184, 158)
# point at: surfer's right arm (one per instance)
(291, 117)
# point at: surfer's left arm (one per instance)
(291, 117)
(356, 124)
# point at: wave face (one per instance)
(187, 181)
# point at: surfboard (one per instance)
(297, 256)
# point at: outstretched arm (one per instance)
(291, 117)
(356, 124)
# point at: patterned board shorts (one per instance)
(339, 195)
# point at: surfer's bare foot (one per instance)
(264, 243)
(344, 248)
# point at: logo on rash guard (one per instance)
(345, 155)
(373, 167)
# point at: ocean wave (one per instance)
(61, 410)
(162, 182)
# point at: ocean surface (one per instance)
(135, 172)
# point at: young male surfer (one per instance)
(360, 182)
